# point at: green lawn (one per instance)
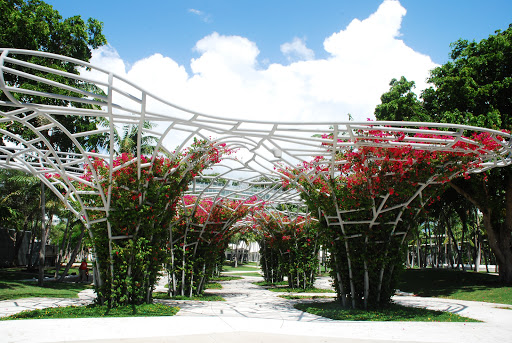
(455, 284)
(204, 297)
(300, 290)
(243, 268)
(226, 278)
(282, 287)
(144, 310)
(12, 288)
(308, 297)
(395, 312)
(270, 284)
(245, 274)
(213, 285)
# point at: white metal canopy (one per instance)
(264, 147)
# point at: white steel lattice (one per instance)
(263, 147)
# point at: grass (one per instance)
(12, 288)
(213, 285)
(394, 312)
(246, 274)
(453, 284)
(21, 273)
(204, 297)
(225, 278)
(308, 297)
(239, 269)
(300, 290)
(72, 271)
(271, 284)
(281, 287)
(144, 310)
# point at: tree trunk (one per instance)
(478, 247)
(32, 244)
(236, 255)
(73, 255)
(418, 251)
(61, 250)
(18, 241)
(456, 245)
(499, 236)
(42, 246)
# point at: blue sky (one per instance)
(137, 29)
(291, 60)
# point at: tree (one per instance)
(19, 205)
(35, 25)
(475, 88)
(199, 235)
(127, 143)
(370, 200)
(295, 242)
(130, 241)
(401, 103)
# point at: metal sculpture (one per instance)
(264, 150)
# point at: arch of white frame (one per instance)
(264, 146)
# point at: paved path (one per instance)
(252, 314)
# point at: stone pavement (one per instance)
(253, 314)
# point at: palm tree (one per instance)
(25, 202)
(127, 143)
(19, 204)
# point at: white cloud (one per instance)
(228, 80)
(204, 17)
(193, 10)
(297, 50)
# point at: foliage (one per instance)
(201, 233)
(127, 142)
(143, 310)
(35, 25)
(202, 297)
(300, 290)
(294, 241)
(19, 198)
(400, 103)
(474, 88)
(270, 265)
(334, 310)
(131, 245)
(377, 191)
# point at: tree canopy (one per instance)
(401, 103)
(474, 88)
(36, 25)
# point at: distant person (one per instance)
(84, 271)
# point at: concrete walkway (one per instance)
(253, 314)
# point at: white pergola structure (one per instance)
(263, 147)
